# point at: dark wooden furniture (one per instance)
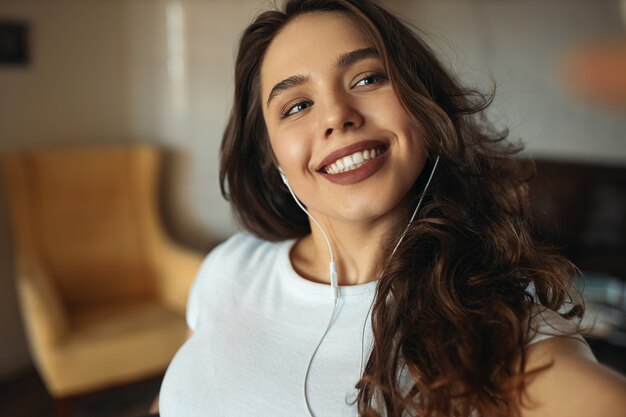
(581, 207)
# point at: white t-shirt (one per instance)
(256, 324)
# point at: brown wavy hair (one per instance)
(453, 304)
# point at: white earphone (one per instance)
(333, 282)
(334, 279)
(332, 267)
(284, 177)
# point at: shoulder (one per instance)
(572, 383)
(239, 243)
(226, 269)
(546, 323)
(238, 251)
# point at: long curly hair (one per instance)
(452, 307)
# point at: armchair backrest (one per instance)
(82, 214)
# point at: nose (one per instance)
(341, 115)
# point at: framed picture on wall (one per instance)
(13, 43)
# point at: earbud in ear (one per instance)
(283, 176)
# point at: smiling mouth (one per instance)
(353, 161)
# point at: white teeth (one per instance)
(350, 162)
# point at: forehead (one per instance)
(309, 42)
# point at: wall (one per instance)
(161, 70)
(180, 97)
(520, 45)
(77, 85)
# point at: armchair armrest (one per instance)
(175, 269)
(42, 308)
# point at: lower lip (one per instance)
(366, 170)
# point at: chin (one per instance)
(367, 213)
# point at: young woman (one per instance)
(388, 267)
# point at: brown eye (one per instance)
(370, 79)
(297, 108)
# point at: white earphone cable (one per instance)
(335, 285)
(332, 266)
(308, 368)
(369, 311)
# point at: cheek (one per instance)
(388, 112)
(398, 117)
(290, 147)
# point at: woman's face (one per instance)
(335, 123)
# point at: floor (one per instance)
(25, 395)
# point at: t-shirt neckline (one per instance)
(294, 279)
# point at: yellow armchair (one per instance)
(102, 289)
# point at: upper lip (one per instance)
(349, 150)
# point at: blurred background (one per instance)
(160, 73)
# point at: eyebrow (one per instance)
(349, 58)
(343, 61)
(287, 83)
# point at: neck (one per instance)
(359, 249)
